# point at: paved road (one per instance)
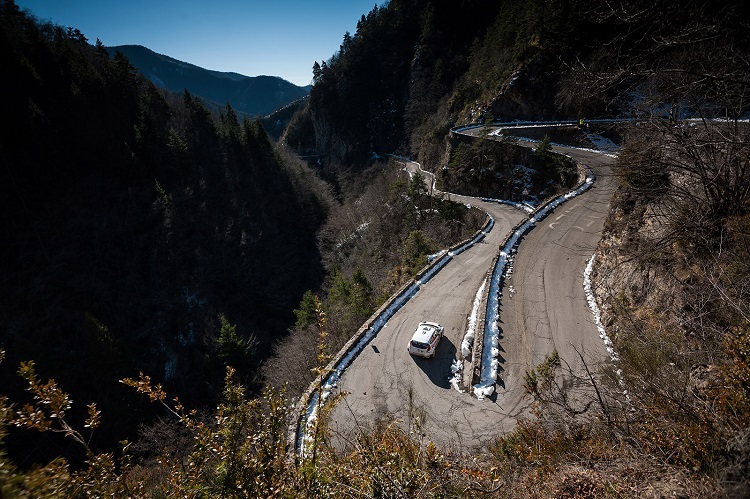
(547, 311)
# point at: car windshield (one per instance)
(419, 344)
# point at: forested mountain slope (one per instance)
(413, 69)
(148, 235)
(138, 229)
(250, 95)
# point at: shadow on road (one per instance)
(438, 368)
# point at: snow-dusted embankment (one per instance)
(595, 309)
(467, 344)
(591, 299)
(468, 340)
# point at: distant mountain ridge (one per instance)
(253, 95)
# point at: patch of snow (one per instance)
(435, 255)
(483, 390)
(509, 266)
(456, 368)
(595, 310)
(361, 228)
(521, 206)
(598, 321)
(602, 143)
(468, 342)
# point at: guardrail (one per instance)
(539, 124)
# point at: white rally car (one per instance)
(425, 340)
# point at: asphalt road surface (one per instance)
(544, 307)
(547, 311)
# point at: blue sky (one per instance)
(252, 37)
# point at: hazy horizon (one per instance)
(282, 38)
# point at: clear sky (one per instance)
(251, 37)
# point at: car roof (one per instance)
(424, 330)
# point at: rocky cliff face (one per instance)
(628, 277)
(670, 279)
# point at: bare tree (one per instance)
(666, 55)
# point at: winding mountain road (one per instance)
(546, 311)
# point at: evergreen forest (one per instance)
(174, 276)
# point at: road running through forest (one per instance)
(546, 311)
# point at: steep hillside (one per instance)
(139, 233)
(276, 122)
(403, 55)
(254, 96)
(671, 274)
(414, 69)
(142, 234)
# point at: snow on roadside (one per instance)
(588, 290)
(595, 309)
(435, 256)
(468, 341)
(457, 368)
(523, 206)
(467, 344)
(490, 351)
